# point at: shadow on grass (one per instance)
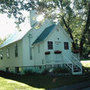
(44, 80)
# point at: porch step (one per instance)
(76, 68)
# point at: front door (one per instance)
(58, 55)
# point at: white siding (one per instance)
(12, 61)
(58, 36)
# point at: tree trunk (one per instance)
(82, 41)
(70, 33)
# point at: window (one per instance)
(50, 45)
(16, 50)
(17, 69)
(1, 55)
(66, 46)
(30, 53)
(38, 48)
(7, 69)
(8, 53)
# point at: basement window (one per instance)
(38, 48)
(7, 69)
(17, 69)
(50, 45)
(30, 53)
(1, 55)
(16, 50)
(66, 45)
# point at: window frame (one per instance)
(50, 45)
(16, 50)
(8, 53)
(1, 55)
(38, 48)
(66, 45)
(17, 70)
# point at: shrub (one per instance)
(60, 70)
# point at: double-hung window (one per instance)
(50, 45)
(8, 53)
(66, 45)
(16, 50)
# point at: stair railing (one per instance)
(76, 61)
(70, 67)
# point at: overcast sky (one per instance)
(7, 25)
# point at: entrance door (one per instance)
(58, 47)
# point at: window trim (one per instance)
(17, 70)
(16, 50)
(8, 53)
(66, 45)
(38, 48)
(50, 45)
(1, 55)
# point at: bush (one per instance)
(30, 72)
(60, 70)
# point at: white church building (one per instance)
(44, 46)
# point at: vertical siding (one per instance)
(12, 61)
(38, 56)
(26, 52)
(62, 38)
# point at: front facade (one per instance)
(38, 49)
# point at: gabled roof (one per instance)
(13, 38)
(44, 34)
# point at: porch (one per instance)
(72, 62)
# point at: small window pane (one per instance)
(8, 53)
(7, 69)
(30, 53)
(16, 51)
(17, 69)
(66, 46)
(50, 45)
(1, 55)
(38, 48)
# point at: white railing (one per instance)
(67, 65)
(76, 61)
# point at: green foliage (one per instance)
(72, 15)
(61, 70)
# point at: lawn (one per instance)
(8, 84)
(86, 63)
(36, 81)
(9, 81)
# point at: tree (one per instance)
(74, 15)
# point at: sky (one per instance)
(8, 27)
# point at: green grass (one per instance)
(9, 81)
(36, 81)
(8, 84)
(86, 63)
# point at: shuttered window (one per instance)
(50, 45)
(8, 53)
(66, 46)
(17, 69)
(1, 55)
(16, 50)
